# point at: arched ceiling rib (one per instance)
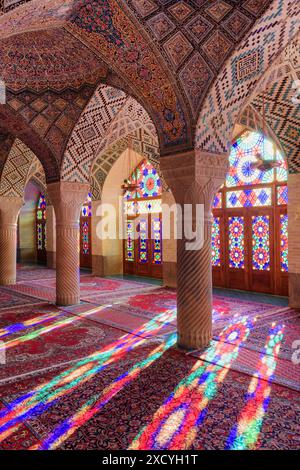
(241, 75)
(166, 53)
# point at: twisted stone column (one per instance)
(9, 212)
(67, 199)
(294, 242)
(194, 178)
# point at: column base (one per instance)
(67, 301)
(194, 340)
(8, 282)
(294, 290)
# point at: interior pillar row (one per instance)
(67, 199)
(194, 178)
(9, 211)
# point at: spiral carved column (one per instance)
(194, 178)
(9, 212)
(67, 199)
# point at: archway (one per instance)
(250, 223)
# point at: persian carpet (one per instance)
(91, 288)
(10, 298)
(46, 336)
(129, 411)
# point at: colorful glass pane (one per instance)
(236, 242)
(282, 195)
(216, 242)
(284, 264)
(42, 202)
(261, 242)
(244, 152)
(85, 238)
(147, 180)
(282, 171)
(129, 241)
(143, 241)
(86, 210)
(156, 237)
(40, 237)
(249, 198)
(217, 204)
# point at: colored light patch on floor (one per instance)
(97, 402)
(39, 400)
(245, 433)
(175, 424)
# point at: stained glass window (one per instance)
(151, 206)
(85, 238)
(244, 152)
(156, 241)
(41, 235)
(148, 181)
(40, 229)
(282, 195)
(249, 197)
(236, 242)
(261, 242)
(217, 204)
(129, 255)
(284, 265)
(216, 242)
(86, 210)
(143, 241)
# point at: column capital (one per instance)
(67, 198)
(194, 171)
(10, 207)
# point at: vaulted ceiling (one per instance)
(83, 75)
(165, 53)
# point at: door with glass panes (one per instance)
(143, 223)
(250, 221)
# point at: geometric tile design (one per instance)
(178, 30)
(181, 11)
(142, 143)
(89, 132)
(196, 77)
(218, 10)
(161, 25)
(178, 49)
(15, 170)
(199, 27)
(283, 117)
(217, 47)
(50, 117)
(109, 117)
(231, 91)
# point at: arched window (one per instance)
(41, 235)
(85, 234)
(142, 207)
(250, 223)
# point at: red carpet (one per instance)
(91, 288)
(44, 344)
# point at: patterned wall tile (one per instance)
(181, 11)
(178, 49)
(161, 25)
(199, 28)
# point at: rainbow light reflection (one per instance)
(98, 401)
(245, 433)
(175, 425)
(41, 398)
(17, 327)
